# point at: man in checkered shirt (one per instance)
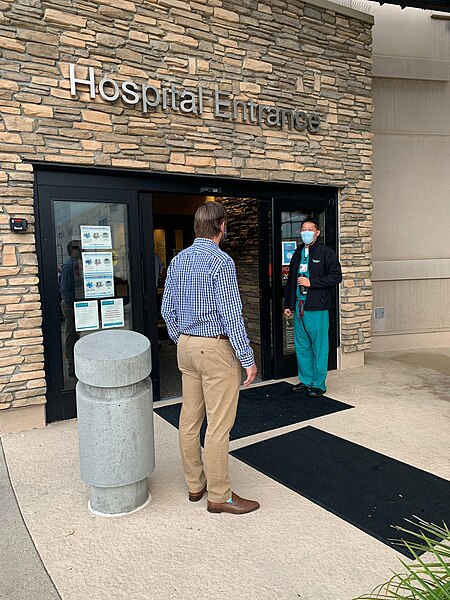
(203, 312)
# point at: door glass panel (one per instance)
(92, 255)
(291, 222)
(290, 234)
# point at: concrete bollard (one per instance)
(115, 420)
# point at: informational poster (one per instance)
(98, 274)
(112, 313)
(98, 286)
(86, 315)
(98, 263)
(288, 248)
(95, 237)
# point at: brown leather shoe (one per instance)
(196, 496)
(239, 506)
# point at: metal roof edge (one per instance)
(342, 10)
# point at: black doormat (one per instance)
(267, 407)
(367, 489)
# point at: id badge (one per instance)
(303, 268)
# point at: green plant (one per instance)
(427, 578)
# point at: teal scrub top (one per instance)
(303, 271)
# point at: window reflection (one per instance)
(69, 217)
(69, 290)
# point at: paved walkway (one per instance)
(173, 550)
(22, 573)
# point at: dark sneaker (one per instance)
(316, 392)
(300, 387)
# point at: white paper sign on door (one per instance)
(112, 313)
(98, 263)
(98, 286)
(86, 315)
(95, 237)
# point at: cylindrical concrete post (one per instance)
(115, 419)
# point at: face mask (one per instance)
(307, 237)
(225, 236)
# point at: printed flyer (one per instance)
(112, 313)
(288, 248)
(97, 263)
(98, 286)
(86, 315)
(95, 237)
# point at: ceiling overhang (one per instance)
(438, 5)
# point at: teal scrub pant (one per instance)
(311, 346)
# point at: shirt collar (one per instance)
(205, 242)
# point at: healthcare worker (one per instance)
(314, 271)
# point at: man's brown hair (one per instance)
(208, 219)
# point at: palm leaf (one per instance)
(424, 579)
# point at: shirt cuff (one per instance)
(247, 360)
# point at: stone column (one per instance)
(115, 419)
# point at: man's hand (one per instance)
(304, 281)
(287, 312)
(251, 374)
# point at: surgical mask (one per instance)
(225, 236)
(307, 237)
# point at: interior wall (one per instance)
(242, 246)
(411, 219)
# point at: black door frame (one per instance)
(324, 200)
(50, 291)
(137, 188)
(148, 277)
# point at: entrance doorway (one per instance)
(280, 221)
(173, 230)
(143, 221)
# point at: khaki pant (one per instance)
(211, 380)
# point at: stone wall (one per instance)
(314, 57)
(242, 246)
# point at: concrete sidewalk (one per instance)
(289, 549)
(22, 573)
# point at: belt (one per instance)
(221, 336)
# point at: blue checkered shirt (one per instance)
(201, 297)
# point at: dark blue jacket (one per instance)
(324, 274)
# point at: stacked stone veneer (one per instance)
(243, 247)
(279, 52)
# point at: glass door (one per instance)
(286, 216)
(92, 277)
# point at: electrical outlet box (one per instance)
(379, 312)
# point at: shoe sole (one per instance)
(196, 498)
(220, 510)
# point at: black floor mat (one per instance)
(369, 490)
(267, 407)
